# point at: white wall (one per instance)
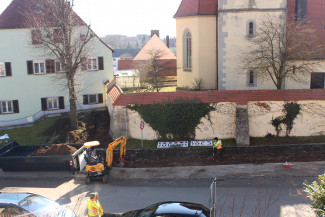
(310, 122)
(233, 17)
(29, 89)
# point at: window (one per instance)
(39, 66)
(92, 99)
(2, 69)
(36, 36)
(6, 107)
(301, 11)
(251, 79)
(188, 52)
(9, 106)
(58, 66)
(58, 36)
(92, 64)
(251, 29)
(317, 81)
(52, 103)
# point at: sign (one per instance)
(141, 125)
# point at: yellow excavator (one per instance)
(96, 167)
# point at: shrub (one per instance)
(316, 193)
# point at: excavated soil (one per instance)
(55, 149)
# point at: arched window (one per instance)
(251, 29)
(188, 52)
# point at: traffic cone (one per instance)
(286, 164)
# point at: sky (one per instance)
(125, 17)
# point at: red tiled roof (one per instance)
(315, 20)
(114, 93)
(125, 64)
(169, 65)
(197, 7)
(14, 16)
(241, 97)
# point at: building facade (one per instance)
(212, 35)
(32, 83)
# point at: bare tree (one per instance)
(61, 33)
(281, 49)
(151, 71)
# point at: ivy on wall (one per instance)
(174, 120)
(291, 111)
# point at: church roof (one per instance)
(197, 7)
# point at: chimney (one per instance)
(167, 41)
(155, 32)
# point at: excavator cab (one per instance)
(96, 167)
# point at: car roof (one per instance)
(13, 197)
(182, 208)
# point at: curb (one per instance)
(298, 169)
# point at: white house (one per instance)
(30, 83)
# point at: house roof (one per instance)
(14, 16)
(155, 43)
(197, 7)
(129, 52)
(241, 97)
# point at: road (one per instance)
(281, 195)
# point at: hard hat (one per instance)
(93, 195)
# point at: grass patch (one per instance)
(31, 135)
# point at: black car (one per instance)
(31, 205)
(170, 209)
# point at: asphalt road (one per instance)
(280, 195)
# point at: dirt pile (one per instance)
(55, 149)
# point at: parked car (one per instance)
(170, 209)
(31, 205)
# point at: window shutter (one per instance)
(61, 102)
(30, 67)
(58, 36)
(85, 97)
(44, 104)
(16, 106)
(83, 64)
(100, 63)
(50, 66)
(36, 36)
(8, 69)
(100, 98)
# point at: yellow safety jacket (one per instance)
(94, 208)
(217, 144)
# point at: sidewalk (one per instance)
(298, 169)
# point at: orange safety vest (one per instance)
(217, 144)
(93, 207)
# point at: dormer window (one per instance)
(38, 8)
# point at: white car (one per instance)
(31, 205)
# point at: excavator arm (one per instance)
(109, 152)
